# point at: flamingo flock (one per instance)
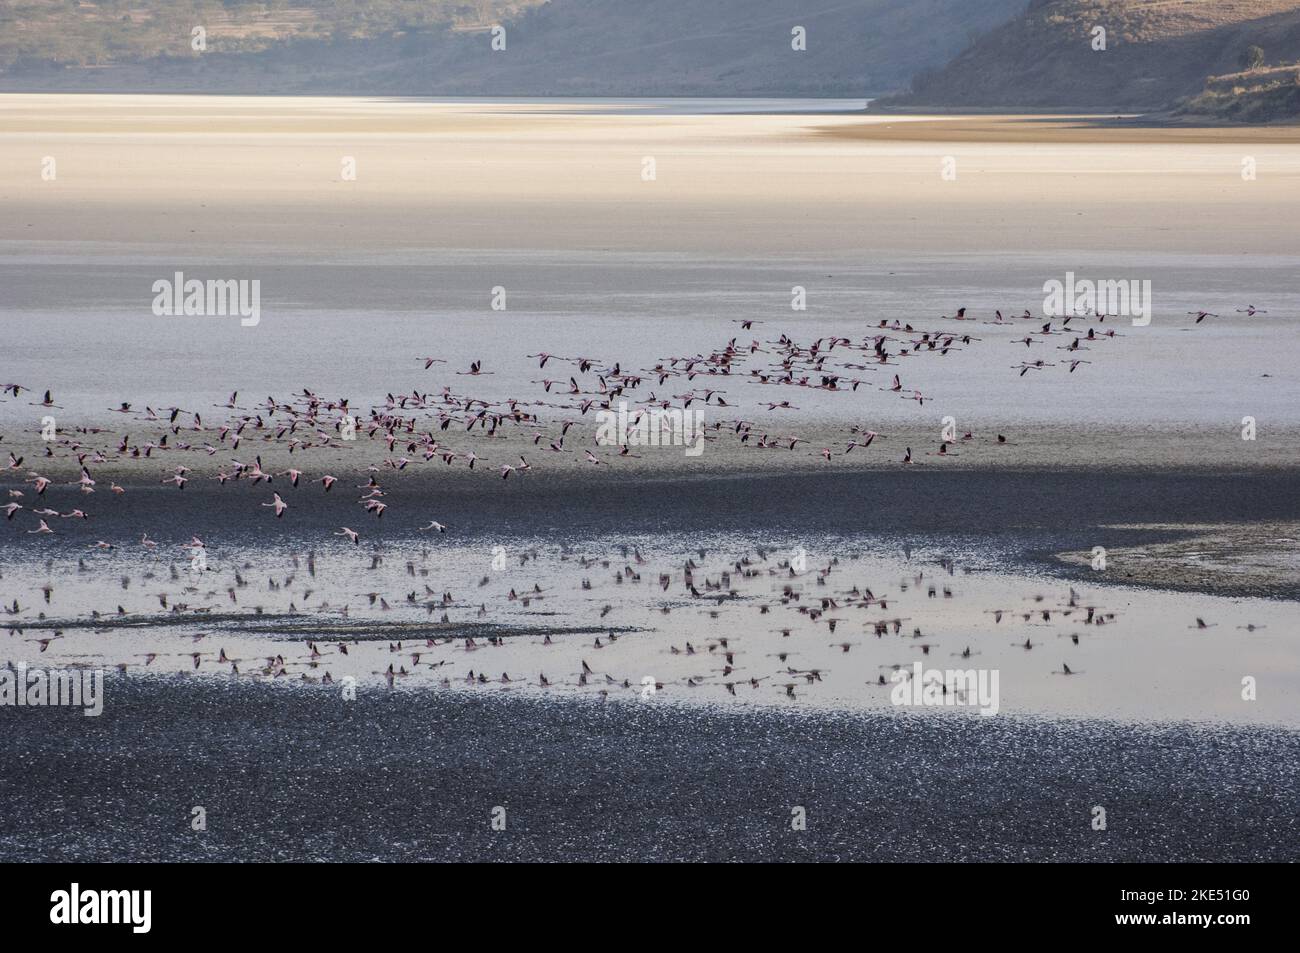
(793, 625)
(449, 426)
(761, 622)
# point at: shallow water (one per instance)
(360, 326)
(1147, 661)
(360, 279)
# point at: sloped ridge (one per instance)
(1156, 52)
(854, 48)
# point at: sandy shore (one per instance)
(1028, 447)
(986, 127)
(1257, 558)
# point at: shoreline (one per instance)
(999, 497)
(1035, 520)
(1030, 447)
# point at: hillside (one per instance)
(560, 47)
(1266, 94)
(99, 33)
(1157, 53)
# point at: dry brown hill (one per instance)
(854, 48)
(1157, 52)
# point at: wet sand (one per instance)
(297, 774)
(584, 503)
